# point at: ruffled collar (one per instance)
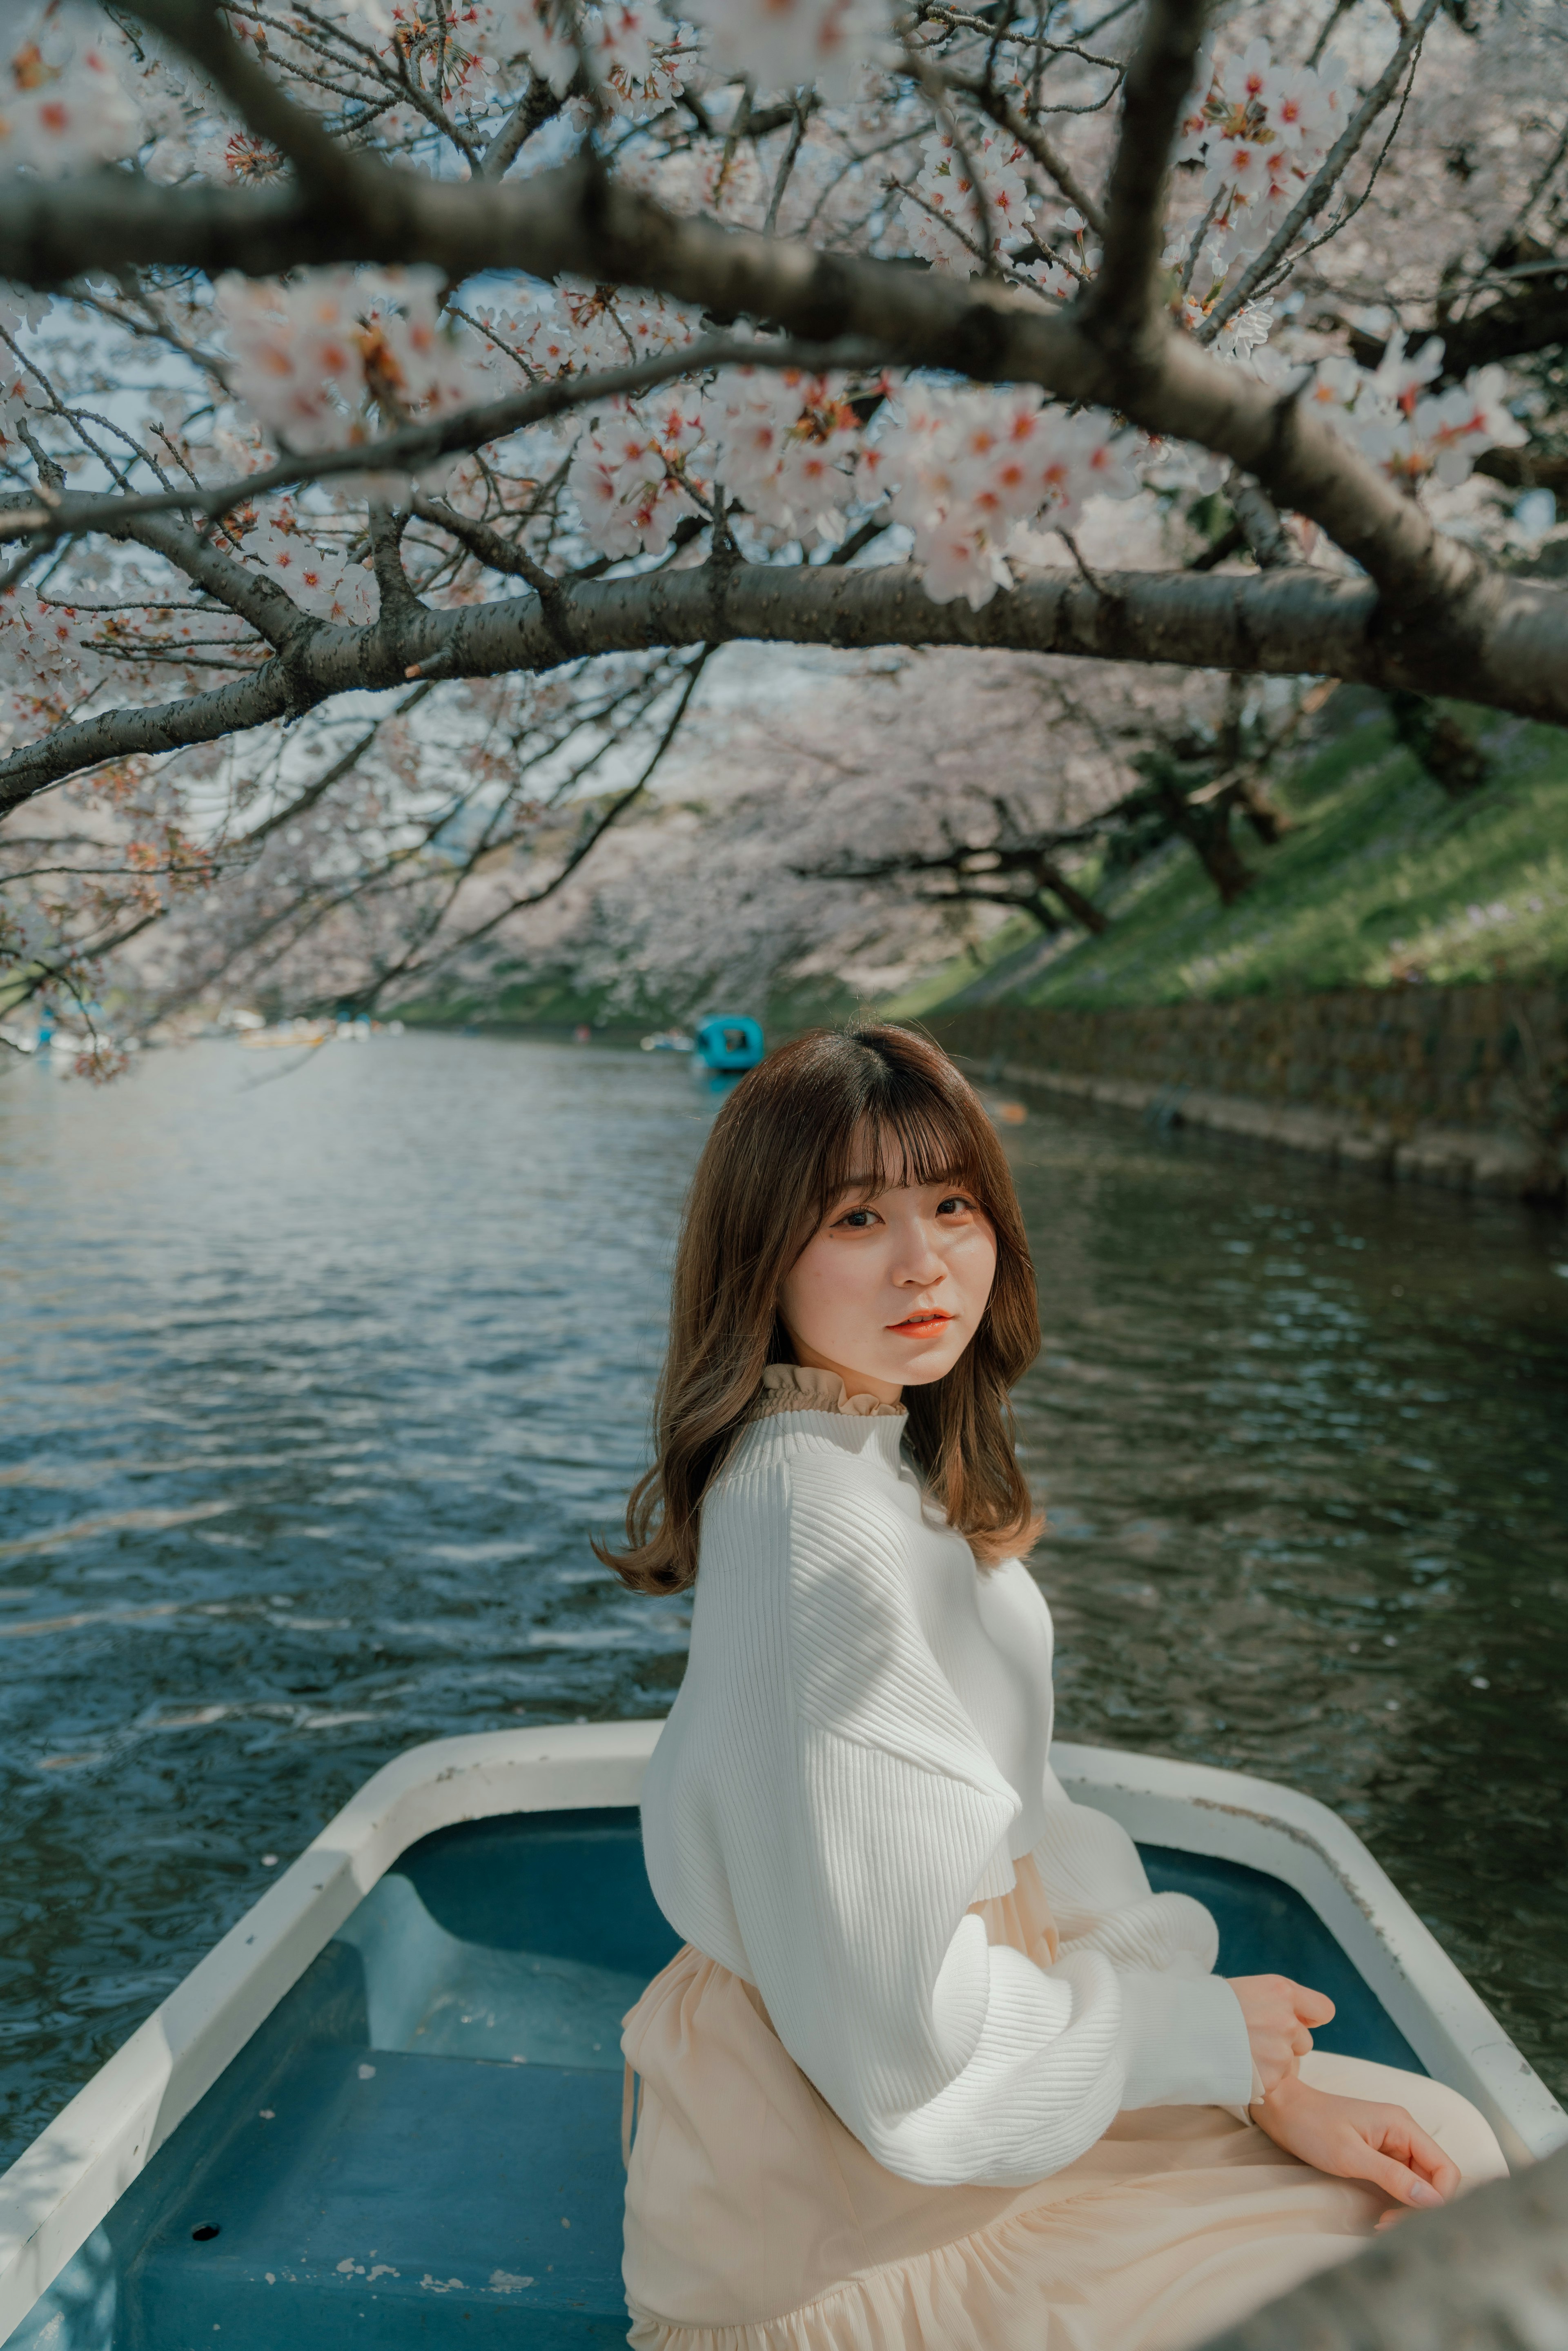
(795, 1387)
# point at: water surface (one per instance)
(313, 1385)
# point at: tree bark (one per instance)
(1284, 623)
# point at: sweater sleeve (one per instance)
(1185, 2037)
(855, 1827)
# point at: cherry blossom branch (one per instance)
(344, 765)
(415, 446)
(327, 169)
(1510, 329)
(537, 104)
(995, 103)
(270, 611)
(399, 869)
(1288, 623)
(586, 843)
(1335, 163)
(1435, 592)
(574, 219)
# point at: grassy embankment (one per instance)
(1380, 880)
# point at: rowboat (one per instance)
(728, 1044)
(391, 2096)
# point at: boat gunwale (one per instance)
(62, 2186)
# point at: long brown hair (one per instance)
(875, 1105)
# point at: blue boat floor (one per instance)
(422, 2146)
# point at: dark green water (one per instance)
(311, 1390)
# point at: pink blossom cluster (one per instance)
(639, 65)
(711, 175)
(1244, 336)
(636, 57)
(941, 213)
(629, 470)
(575, 329)
(785, 444)
(46, 653)
(62, 107)
(333, 356)
(1416, 434)
(1260, 131)
(972, 473)
(319, 579)
(783, 44)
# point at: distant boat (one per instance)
(668, 1040)
(730, 1043)
(394, 2090)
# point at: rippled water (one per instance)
(312, 1385)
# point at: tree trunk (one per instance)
(1490, 2274)
(1081, 909)
(1439, 743)
(1039, 906)
(1207, 830)
(1268, 822)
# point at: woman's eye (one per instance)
(954, 1206)
(858, 1220)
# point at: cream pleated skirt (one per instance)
(755, 2221)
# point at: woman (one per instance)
(935, 2068)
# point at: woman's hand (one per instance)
(1353, 2139)
(1279, 2013)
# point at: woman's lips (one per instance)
(922, 1323)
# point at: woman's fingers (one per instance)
(1312, 2007)
(1408, 2144)
(1405, 2160)
(1397, 2179)
(1301, 2041)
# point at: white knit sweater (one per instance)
(860, 1751)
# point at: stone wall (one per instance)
(1466, 1086)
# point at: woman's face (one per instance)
(891, 1290)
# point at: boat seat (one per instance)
(422, 2144)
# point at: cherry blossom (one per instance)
(326, 358)
(1261, 130)
(573, 328)
(964, 469)
(62, 105)
(319, 579)
(942, 215)
(784, 43)
(45, 657)
(784, 443)
(639, 64)
(1413, 434)
(629, 475)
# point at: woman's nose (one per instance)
(921, 1262)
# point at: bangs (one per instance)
(891, 1144)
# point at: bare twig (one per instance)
(781, 179)
(1260, 524)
